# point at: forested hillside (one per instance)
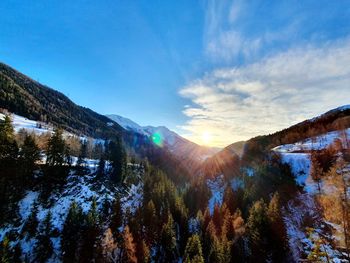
(21, 95)
(67, 196)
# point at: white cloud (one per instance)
(222, 38)
(278, 91)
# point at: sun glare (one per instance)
(206, 138)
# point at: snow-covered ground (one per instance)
(217, 187)
(80, 189)
(303, 209)
(297, 156)
(20, 122)
(39, 128)
(298, 213)
(316, 143)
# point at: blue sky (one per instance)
(226, 69)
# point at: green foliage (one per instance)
(168, 239)
(29, 155)
(197, 195)
(117, 157)
(258, 228)
(56, 149)
(71, 233)
(8, 145)
(89, 234)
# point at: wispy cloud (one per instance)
(241, 102)
(222, 38)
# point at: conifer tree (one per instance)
(30, 154)
(230, 200)
(101, 167)
(143, 252)
(31, 224)
(193, 252)
(129, 248)
(258, 227)
(8, 144)
(117, 217)
(81, 162)
(90, 234)
(150, 222)
(108, 247)
(56, 149)
(44, 246)
(117, 158)
(71, 233)
(168, 239)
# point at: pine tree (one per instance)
(71, 233)
(168, 239)
(129, 248)
(8, 145)
(44, 246)
(30, 154)
(83, 154)
(258, 227)
(143, 252)
(117, 158)
(277, 229)
(217, 218)
(56, 149)
(193, 252)
(31, 224)
(90, 234)
(101, 167)
(230, 200)
(108, 247)
(150, 222)
(117, 217)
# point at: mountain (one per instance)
(126, 123)
(69, 210)
(21, 95)
(188, 152)
(225, 161)
(333, 120)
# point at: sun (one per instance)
(206, 137)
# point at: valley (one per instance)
(77, 190)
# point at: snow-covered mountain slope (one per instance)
(315, 143)
(37, 127)
(79, 189)
(298, 157)
(20, 122)
(179, 146)
(126, 123)
(304, 208)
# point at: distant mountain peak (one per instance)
(178, 145)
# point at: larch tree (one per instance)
(193, 251)
(129, 248)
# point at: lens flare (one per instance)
(157, 139)
(206, 137)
